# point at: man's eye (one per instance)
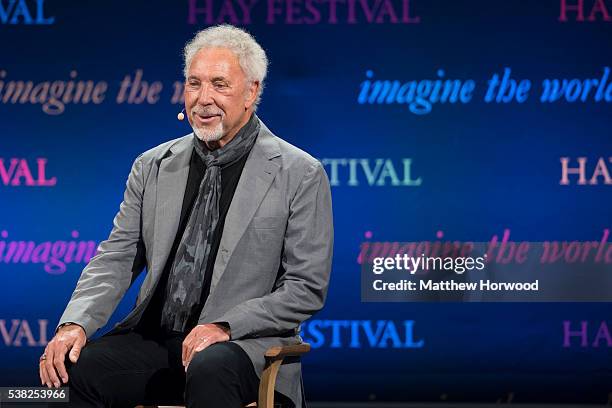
(194, 84)
(220, 85)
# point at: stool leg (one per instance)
(266, 386)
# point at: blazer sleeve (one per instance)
(307, 256)
(117, 262)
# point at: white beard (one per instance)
(210, 135)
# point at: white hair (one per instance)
(251, 56)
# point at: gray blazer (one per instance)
(274, 260)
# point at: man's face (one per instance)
(218, 97)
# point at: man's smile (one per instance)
(206, 118)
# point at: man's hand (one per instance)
(202, 336)
(51, 368)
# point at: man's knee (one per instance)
(220, 361)
(82, 373)
(221, 375)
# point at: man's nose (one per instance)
(205, 95)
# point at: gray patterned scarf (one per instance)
(186, 277)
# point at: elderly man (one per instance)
(234, 226)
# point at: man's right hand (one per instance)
(51, 369)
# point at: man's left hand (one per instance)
(202, 336)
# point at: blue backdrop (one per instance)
(352, 82)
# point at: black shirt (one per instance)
(150, 321)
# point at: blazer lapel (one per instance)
(171, 184)
(257, 176)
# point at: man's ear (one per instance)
(251, 94)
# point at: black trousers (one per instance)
(133, 368)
